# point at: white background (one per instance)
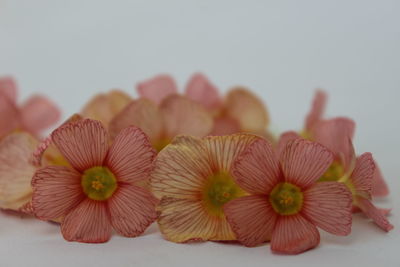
(283, 50)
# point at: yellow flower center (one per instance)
(286, 199)
(333, 173)
(161, 143)
(220, 189)
(99, 183)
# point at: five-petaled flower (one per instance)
(286, 204)
(100, 189)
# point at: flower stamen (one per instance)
(286, 199)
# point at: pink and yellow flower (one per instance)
(193, 179)
(239, 111)
(174, 115)
(287, 204)
(99, 190)
(33, 116)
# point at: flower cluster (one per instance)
(203, 165)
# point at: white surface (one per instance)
(282, 49)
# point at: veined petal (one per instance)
(251, 218)
(141, 113)
(16, 170)
(181, 169)
(379, 186)
(56, 190)
(84, 143)
(374, 213)
(362, 175)
(89, 222)
(247, 109)
(157, 88)
(8, 88)
(202, 91)
(303, 162)
(284, 139)
(293, 234)
(104, 107)
(224, 150)
(39, 113)
(132, 210)
(183, 220)
(184, 116)
(131, 156)
(257, 169)
(317, 110)
(328, 206)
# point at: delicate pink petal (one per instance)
(252, 219)
(8, 88)
(56, 190)
(39, 113)
(293, 234)
(131, 156)
(83, 143)
(132, 210)
(104, 107)
(362, 175)
(16, 170)
(257, 168)
(379, 186)
(317, 110)
(247, 109)
(9, 116)
(89, 222)
(335, 135)
(374, 213)
(328, 206)
(225, 126)
(141, 113)
(303, 162)
(284, 139)
(157, 88)
(202, 91)
(183, 116)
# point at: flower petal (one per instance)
(251, 218)
(183, 220)
(39, 113)
(374, 213)
(181, 169)
(184, 116)
(141, 113)
(132, 210)
(83, 143)
(16, 170)
(362, 175)
(257, 169)
(303, 162)
(245, 107)
(293, 234)
(284, 139)
(104, 107)
(89, 222)
(9, 116)
(335, 135)
(131, 156)
(202, 91)
(328, 205)
(8, 88)
(224, 125)
(317, 110)
(157, 88)
(224, 150)
(56, 190)
(379, 186)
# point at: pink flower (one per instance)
(34, 116)
(313, 123)
(239, 111)
(286, 204)
(100, 190)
